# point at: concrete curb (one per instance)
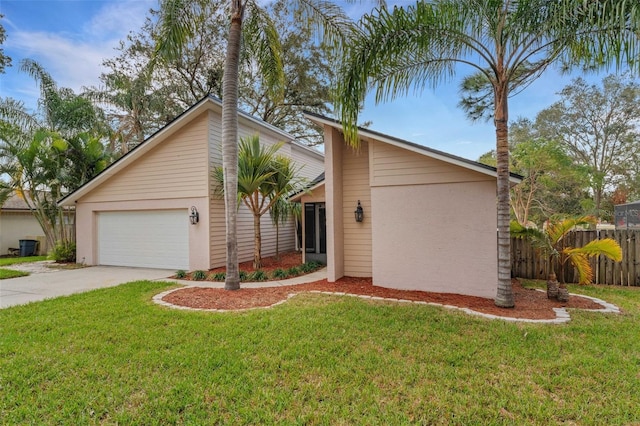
(562, 315)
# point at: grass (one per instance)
(9, 273)
(112, 356)
(6, 261)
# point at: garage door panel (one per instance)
(152, 239)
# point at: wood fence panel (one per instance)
(527, 263)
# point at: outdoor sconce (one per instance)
(194, 217)
(359, 213)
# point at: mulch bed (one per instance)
(530, 304)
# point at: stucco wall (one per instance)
(439, 238)
(16, 226)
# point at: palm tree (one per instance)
(176, 28)
(285, 182)
(263, 178)
(510, 43)
(551, 242)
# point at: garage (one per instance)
(148, 239)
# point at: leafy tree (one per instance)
(599, 128)
(47, 154)
(551, 242)
(5, 61)
(177, 28)
(264, 178)
(510, 42)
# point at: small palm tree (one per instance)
(263, 178)
(551, 242)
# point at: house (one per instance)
(428, 219)
(18, 223)
(137, 211)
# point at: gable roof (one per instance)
(207, 103)
(15, 203)
(414, 147)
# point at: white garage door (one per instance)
(150, 239)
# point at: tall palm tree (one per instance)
(511, 43)
(176, 18)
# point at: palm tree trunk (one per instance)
(504, 297)
(230, 143)
(257, 243)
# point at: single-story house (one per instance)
(428, 219)
(137, 211)
(18, 223)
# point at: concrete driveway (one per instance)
(46, 283)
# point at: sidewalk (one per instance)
(318, 275)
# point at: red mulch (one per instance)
(529, 303)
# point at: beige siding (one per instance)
(312, 165)
(245, 217)
(357, 236)
(395, 166)
(176, 168)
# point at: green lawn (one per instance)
(6, 261)
(9, 273)
(112, 356)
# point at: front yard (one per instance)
(6, 273)
(112, 356)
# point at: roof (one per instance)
(207, 103)
(314, 184)
(15, 203)
(633, 203)
(414, 147)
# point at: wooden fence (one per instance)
(527, 263)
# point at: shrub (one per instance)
(243, 276)
(198, 275)
(279, 273)
(64, 252)
(180, 273)
(293, 271)
(219, 276)
(258, 275)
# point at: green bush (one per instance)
(244, 276)
(219, 276)
(279, 273)
(258, 275)
(64, 252)
(180, 273)
(198, 275)
(293, 271)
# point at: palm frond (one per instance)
(581, 262)
(175, 27)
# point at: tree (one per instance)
(551, 242)
(511, 43)
(552, 185)
(47, 154)
(599, 128)
(5, 61)
(176, 29)
(285, 182)
(264, 178)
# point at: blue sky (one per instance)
(71, 38)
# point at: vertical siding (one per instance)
(175, 168)
(357, 236)
(395, 166)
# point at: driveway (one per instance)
(46, 283)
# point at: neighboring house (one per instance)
(18, 223)
(429, 218)
(136, 212)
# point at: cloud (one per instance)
(75, 59)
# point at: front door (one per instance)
(315, 232)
